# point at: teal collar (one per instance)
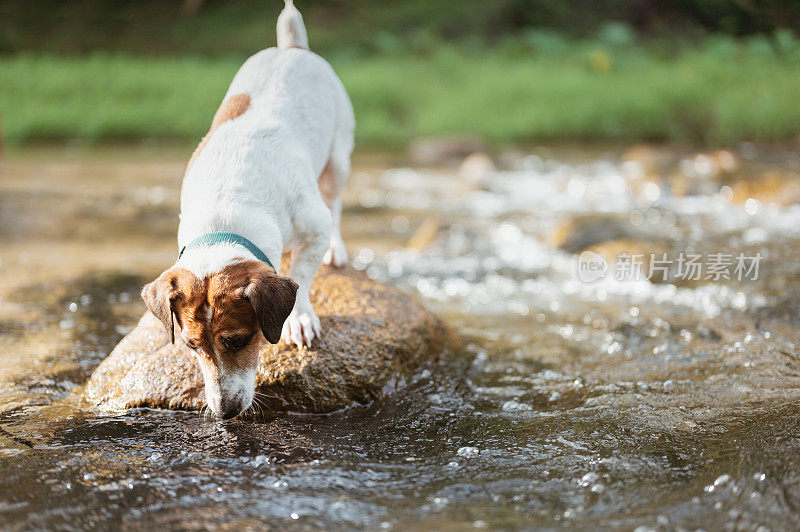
(209, 239)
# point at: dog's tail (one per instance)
(291, 30)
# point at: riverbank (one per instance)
(717, 92)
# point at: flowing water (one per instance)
(586, 395)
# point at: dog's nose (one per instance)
(231, 411)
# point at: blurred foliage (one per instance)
(535, 86)
(708, 71)
(220, 27)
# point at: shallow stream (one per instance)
(585, 396)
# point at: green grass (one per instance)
(547, 89)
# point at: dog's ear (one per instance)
(160, 297)
(272, 297)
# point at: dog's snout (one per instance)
(230, 409)
(230, 413)
(229, 396)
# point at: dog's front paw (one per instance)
(300, 328)
(336, 255)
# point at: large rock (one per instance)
(373, 336)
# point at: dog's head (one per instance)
(224, 318)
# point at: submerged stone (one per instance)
(582, 232)
(640, 253)
(373, 336)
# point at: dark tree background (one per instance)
(239, 26)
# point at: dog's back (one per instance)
(296, 100)
(280, 121)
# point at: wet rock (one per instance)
(373, 336)
(615, 239)
(582, 232)
(640, 254)
(444, 150)
(772, 187)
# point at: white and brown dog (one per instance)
(264, 180)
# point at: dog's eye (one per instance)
(191, 344)
(235, 343)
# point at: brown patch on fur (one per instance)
(272, 298)
(216, 308)
(162, 295)
(242, 299)
(327, 187)
(231, 108)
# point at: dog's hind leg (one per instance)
(331, 184)
(337, 252)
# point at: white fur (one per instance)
(291, 30)
(257, 175)
(204, 261)
(239, 388)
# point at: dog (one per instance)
(265, 180)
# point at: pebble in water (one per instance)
(515, 406)
(468, 452)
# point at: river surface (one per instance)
(587, 395)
